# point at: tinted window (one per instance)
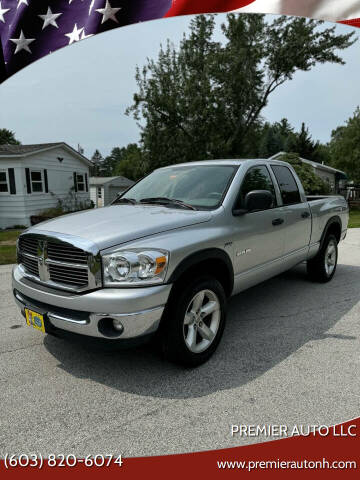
(257, 178)
(288, 187)
(202, 186)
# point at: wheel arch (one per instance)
(334, 227)
(213, 261)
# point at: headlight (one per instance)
(135, 267)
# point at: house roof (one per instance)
(319, 166)
(20, 151)
(9, 150)
(119, 181)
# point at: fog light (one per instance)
(118, 325)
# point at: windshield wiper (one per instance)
(125, 200)
(167, 201)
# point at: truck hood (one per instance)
(117, 224)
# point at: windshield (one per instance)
(201, 186)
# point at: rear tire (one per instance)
(322, 267)
(194, 321)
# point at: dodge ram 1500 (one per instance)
(167, 254)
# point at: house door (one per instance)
(100, 197)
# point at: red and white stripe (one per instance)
(346, 11)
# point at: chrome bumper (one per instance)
(83, 314)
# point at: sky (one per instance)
(79, 94)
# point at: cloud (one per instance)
(80, 94)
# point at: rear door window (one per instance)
(288, 187)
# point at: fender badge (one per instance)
(243, 252)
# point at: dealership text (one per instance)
(286, 431)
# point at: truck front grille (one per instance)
(66, 253)
(69, 276)
(30, 264)
(59, 263)
(28, 245)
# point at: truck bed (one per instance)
(312, 198)
(323, 208)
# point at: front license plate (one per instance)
(34, 319)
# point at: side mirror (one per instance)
(255, 200)
(258, 200)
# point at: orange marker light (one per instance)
(160, 264)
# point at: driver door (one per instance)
(258, 236)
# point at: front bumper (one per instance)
(138, 309)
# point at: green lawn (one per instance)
(8, 246)
(354, 221)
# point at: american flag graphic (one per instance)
(31, 29)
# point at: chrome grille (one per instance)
(28, 245)
(69, 275)
(63, 252)
(30, 264)
(59, 263)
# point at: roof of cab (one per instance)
(231, 161)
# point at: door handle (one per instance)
(305, 215)
(278, 221)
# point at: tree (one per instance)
(271, 142)
(112, 160)
(345, 147)
(322, 154)
(313, 185)
(302, 143)
(205, 99)
(7, 137)
(131, 162)
(275, 137)
(97, 168)
(284, 128)
(119, 155)
(280, 137)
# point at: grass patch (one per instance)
(7, 254)
(7, 235)
(354, 221)
(8, 246)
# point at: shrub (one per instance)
(313, 185)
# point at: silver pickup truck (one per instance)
(163, 259)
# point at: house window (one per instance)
(36, 181)
(99, 192)
(80, 182)
(4, 188)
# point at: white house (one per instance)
(336, 179)
(34, 178)
(103, 190)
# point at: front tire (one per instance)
(194, 321)
(322, 267)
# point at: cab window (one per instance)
(257, 178)
(288, 187)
